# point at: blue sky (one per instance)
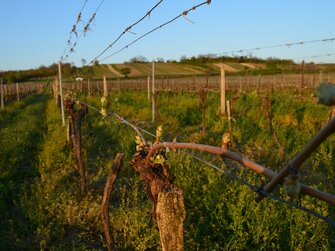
(35, 32)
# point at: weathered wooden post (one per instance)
(240, 84)
(246, 79)
(89, 87)
(105, 87)
(5, 93)
(259, 85)
(119, 85)
(17, 92)
(61, 93)
(223, 91)
(202, 98)
(153, 92)
(55, 86)
(148, 87)
(320, 77)
(282, 79)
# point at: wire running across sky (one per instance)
(127, 30)
(315, 56)
(183, 14)
(288, 45)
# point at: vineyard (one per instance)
(91, 185)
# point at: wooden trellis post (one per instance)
(223, 91)
(89, 87)
(105, 87)
(259, 84)
(240, 84)
(153, 98)
(61, 93)
(55, 86)
(17, 92)
(320, 76)
(5, 93)
(148, 87)
(119, 85)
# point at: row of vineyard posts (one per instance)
(150, 161)
(16, 91)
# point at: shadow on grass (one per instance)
(21, 132)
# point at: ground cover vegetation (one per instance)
(44, 208)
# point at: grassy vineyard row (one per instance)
(40, 188)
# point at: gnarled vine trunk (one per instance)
(168, 201)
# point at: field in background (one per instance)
(170, 69)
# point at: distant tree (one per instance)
(96, 62)
(138, 59)
(160, 60)
(125, 71)
(183, 59)
(83, 62)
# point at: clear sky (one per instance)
(35, 32)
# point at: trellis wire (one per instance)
(230, 175)
(184, 13)
(126, 30)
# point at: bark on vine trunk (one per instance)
(272, 130)
(115, 169)
(170, 218)
(168, 202)
(75, 121)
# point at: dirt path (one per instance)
(227, 67)
(251, 66)
(115, 72)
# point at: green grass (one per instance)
(221, 213)
(21, 132)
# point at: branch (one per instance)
(295, 163)
(329, 198)
(117, 166)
